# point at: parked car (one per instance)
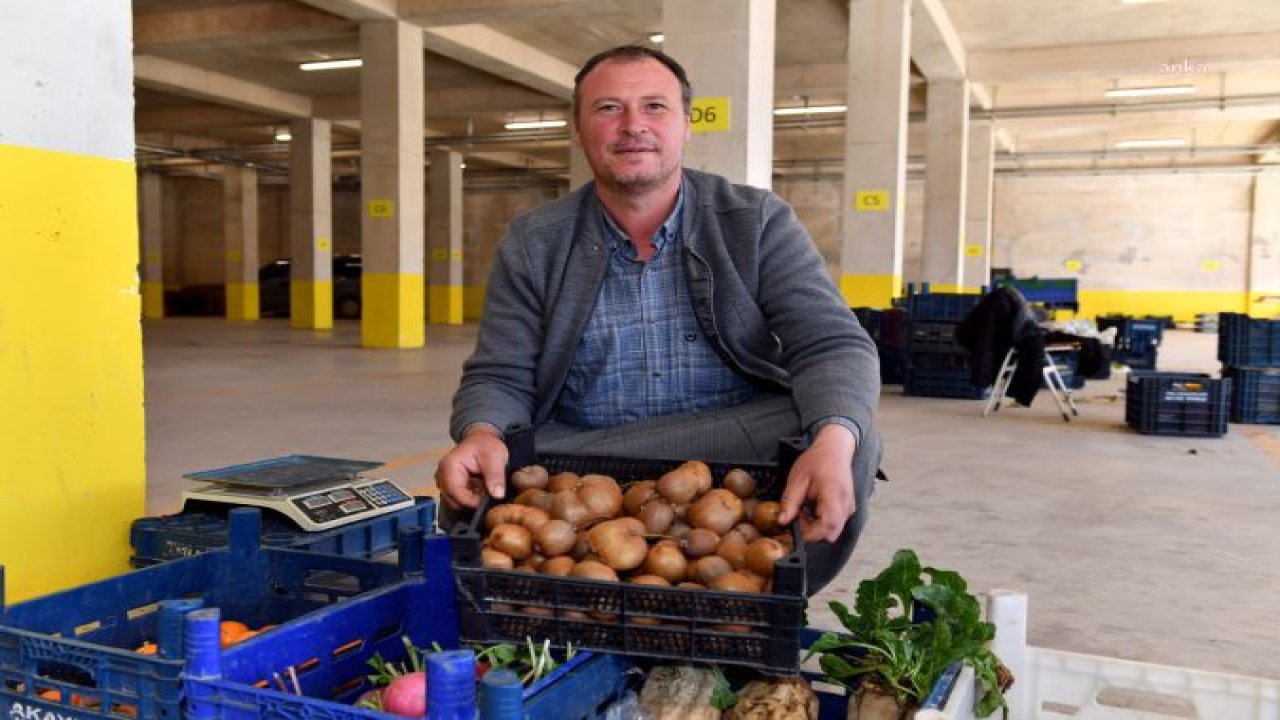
(273, 287)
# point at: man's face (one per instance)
(631, 124)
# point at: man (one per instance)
(663, 312)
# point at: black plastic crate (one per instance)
(892, 366)
(693, 622)
(1179, 404)
(1248, 342)
(1066, 361)
(869, 319)
(923, 380)
(940, 307)
(893, 327)
(1255, 395)
(933, 337)
(204, 528)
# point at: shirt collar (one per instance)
(670, 227)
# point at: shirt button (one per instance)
(690, 337)
(657, 374)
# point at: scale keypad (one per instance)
(383, 494)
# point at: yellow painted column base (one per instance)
(472, 302)
(242, 301)
(444, 304)
(311, 304)
(874, 291)
(152, 300)
(393, 313)
(71, 431)
(946, 288)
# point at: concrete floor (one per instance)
(1155, 549)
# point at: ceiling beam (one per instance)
(453, 12)
(1134, 57)
(935, 45)
(258, 23)
(195, 117)
(504, 56)
(451, 102)
(358, 10)
(189, 81)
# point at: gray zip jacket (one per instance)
(761, 294)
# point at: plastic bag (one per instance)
(628, 708)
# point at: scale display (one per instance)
(317, 493)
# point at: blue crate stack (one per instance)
(1249, 350)
(936, 364)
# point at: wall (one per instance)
(1140, 244)
(72, 473)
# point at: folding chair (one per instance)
(1052, 380)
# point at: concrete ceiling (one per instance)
(216, 78)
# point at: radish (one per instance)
(406, 696)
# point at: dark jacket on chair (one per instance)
(1002, 320)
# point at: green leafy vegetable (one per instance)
(908, 625)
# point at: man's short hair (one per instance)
(635, 52)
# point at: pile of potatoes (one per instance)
(676, 531)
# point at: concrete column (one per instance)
(579, 168)
(1262, 284)
(875, 151)
(946, 155)
(726, 46)
(978, 199)
(444, 239)
(151, 221)
(392, 185)
(311, 224)
(71, 429)
(240, 242)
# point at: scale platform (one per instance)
(317, 493)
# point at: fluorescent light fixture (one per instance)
(535, 124)
(811, 110)
(1151, 143)
(332, 64)
(658, 38)
(1150, 91)
(283, 136)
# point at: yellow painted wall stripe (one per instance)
(242, 301)
(1183, 305)
(875, 291)
(71, 432)
(394, 312)
(444, 304)
(311, 304)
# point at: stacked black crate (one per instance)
(1249, 349)
(936, 364)
(886, 328)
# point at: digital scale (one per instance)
(317, 493)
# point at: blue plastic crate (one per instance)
(159, 539)
(329, 653)
(1255, 395)
(940, 307)
(933, 337)
(1248, 342)
(81, 641)
(1179, 404)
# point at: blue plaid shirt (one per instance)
(642, 353)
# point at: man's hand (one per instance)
(823, 476)
(481, 456)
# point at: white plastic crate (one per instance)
(1089, 687)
